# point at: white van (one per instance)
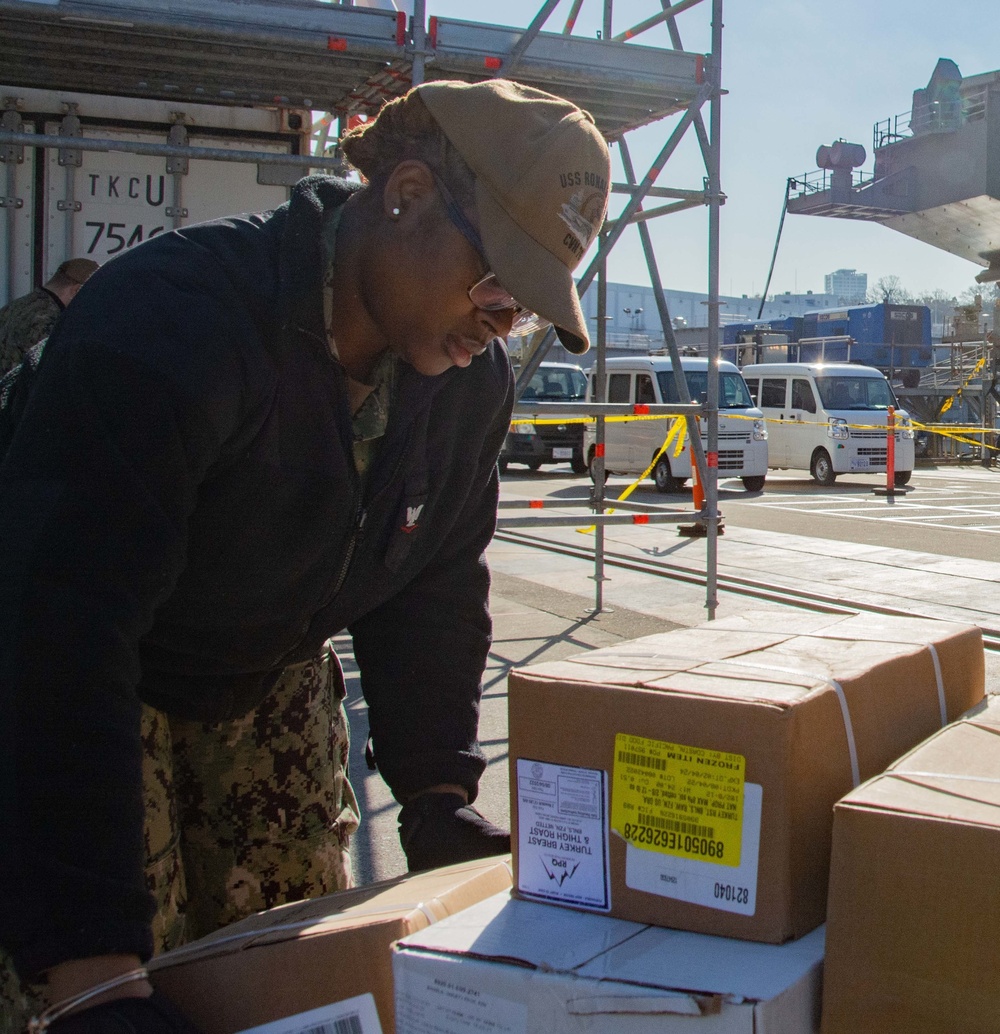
(630, 446)
(830, 419)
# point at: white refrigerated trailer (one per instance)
(98, 174)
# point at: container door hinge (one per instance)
(177, 166)
(177, 137)
(11, 154)
(70, 157)
(11, 122)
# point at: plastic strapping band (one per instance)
(849, 728)
(942, 703)
(40, 1024)
(170, 957)
(832, 683)
(938, 677)
(942, 775)
(844, 709)
(430, 916)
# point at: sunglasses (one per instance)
(487, 293)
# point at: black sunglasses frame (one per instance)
(471, 234)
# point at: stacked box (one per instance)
(518, 967)
(688, 779)
(914, 904)
(331, 954)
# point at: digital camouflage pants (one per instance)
(240, 815)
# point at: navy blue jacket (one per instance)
(180, 518)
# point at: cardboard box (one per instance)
(914, 909)
(308, 954)
(513, 967)
(688, 779)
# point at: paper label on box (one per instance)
(351, 1016)
(704, 883)
(562, 834)
(678, 800)
(449, 1007)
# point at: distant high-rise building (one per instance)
(848, 285)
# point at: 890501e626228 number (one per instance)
(669, 840)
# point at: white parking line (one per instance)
(954, 506)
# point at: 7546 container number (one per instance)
(673, 841)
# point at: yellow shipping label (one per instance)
(678, 800)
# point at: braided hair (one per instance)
(405, 129)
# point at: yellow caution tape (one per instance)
(591, 419)
(958, 432)
(678, 431)
(976, 370)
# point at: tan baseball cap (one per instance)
(79, 270)
(543, 173)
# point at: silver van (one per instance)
(631, 445)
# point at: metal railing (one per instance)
(935, 117)
(954, 363)
(819, 180)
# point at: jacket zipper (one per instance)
(360, 514)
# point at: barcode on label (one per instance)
(675, 826)
(626, 757)
(345, 1025)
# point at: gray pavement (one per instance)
(543, 602)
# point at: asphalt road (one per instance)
(948, 510)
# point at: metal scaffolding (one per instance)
(324, 56)
(704, 87)
(348, 61)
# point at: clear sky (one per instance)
(799, 73)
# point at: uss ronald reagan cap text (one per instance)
(543, 173)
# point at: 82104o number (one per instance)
(729, 892)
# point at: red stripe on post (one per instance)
(536, 504)
(712, 459)
(432, 31)
(640, 409)
(699, 69)
(492, 63)
(640, 518)
(400, 28)
(336, 43)
(599, 449)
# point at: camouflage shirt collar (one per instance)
(370, 403)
